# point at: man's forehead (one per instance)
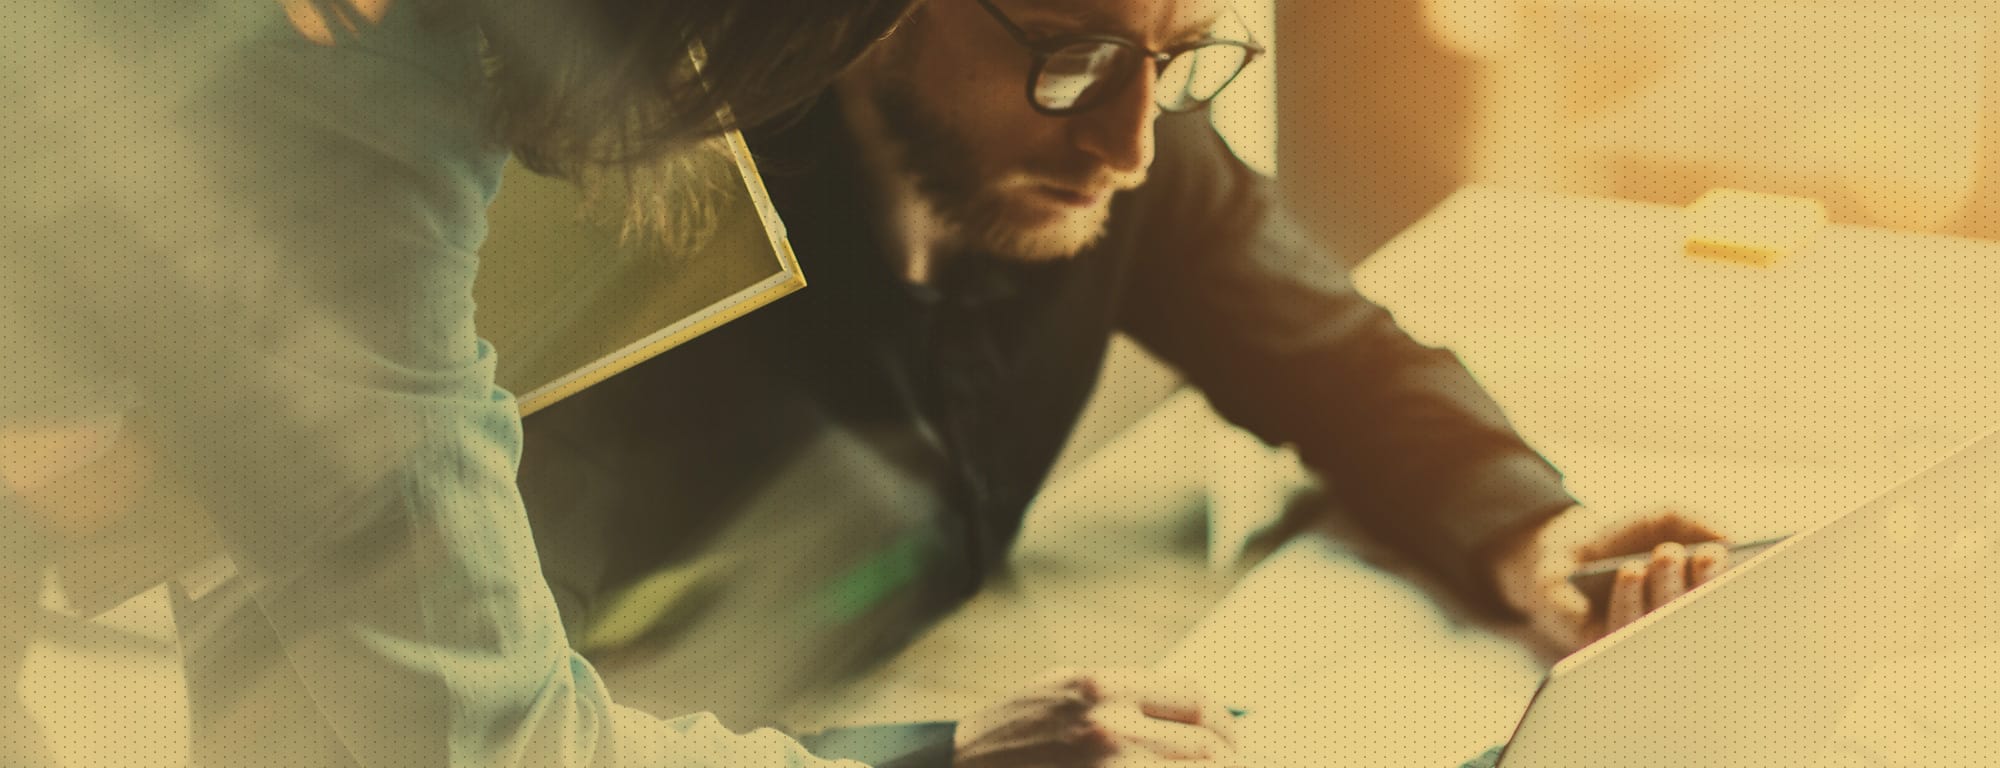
(1166, 20)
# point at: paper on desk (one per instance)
(1340, 663)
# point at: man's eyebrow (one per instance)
(1203, 29)
(1086, 17)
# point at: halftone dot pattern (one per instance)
(271, 245)
(1767, 398)
(1132, 544)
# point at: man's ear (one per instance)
(314, 19)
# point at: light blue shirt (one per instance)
(265, 248)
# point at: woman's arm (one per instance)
(271, 244)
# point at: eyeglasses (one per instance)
(1075, 73)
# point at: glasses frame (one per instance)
(1045, 48)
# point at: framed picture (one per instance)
(568, 300)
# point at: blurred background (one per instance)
(1885, 110)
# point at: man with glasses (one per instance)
(979, 205)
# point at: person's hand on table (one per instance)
(1098, 720)
(1533, 569)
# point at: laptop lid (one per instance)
(1873, 640)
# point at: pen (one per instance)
(1595, 578)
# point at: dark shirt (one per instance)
(943, 407)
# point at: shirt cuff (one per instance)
(1505, 497)
(897, 745)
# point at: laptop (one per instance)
(1872, 640)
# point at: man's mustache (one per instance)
(1090, 180)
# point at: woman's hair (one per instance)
(602, 92)
(582, 82)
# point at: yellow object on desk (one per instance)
(1751, 227)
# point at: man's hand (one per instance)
(1533, 570)
(1097, 721)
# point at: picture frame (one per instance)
(569, 299)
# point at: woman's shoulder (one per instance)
(385, 77)
(397, 38)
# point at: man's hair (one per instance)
(602, 92)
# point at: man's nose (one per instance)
(1119, 133)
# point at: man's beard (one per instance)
(973, 204)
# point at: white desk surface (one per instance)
(1339, 662)
(1767, 397)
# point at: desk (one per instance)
(1339, 662)
(1768, 397)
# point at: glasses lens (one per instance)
(1081, 75)
(1197, 76)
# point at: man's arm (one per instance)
(1267, 323)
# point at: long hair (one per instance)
(603, 92)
